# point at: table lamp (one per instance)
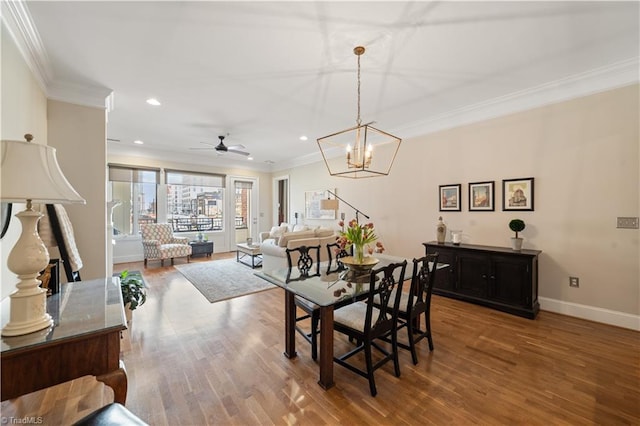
(30, 173)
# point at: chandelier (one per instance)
(361, 151)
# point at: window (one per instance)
(137, 190)
(243, 204)
(195, 201)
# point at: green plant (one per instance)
(133, 290)
(516, 225)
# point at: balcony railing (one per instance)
(202, 224)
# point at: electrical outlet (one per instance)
(574, 282)
(627, 223)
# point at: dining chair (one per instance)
(305, 265)
(418, 302)
(334, 250)
(368, 324)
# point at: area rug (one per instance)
(223, 279)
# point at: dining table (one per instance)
(328, 290)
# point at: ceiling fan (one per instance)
(221, 148)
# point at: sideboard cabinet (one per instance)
(497, 277)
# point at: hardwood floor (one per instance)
(191, 362)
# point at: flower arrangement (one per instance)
(358, 236)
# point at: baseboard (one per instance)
(606, 316)
(127, 259)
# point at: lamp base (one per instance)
(28, 257)
(28, 314)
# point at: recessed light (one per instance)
(138, 142)
(249, 158)
(153, 101)
(303, 138)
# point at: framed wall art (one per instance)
(5, 219)
(450, 198)
(517, 194)
(312, 205)
(481, 196)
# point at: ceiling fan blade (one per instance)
(236, 146)
(235, 151)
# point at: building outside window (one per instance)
(137, 191)
(195, 201)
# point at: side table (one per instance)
(201, 247)
(253, 251)
(88, 317)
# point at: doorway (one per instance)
(281, 199)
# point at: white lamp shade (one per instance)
(30, 171)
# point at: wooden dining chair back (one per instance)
(307, 262)
(368, 324)
(307, 265)
(336, 253)
(418, 302)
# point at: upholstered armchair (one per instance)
(158, 242)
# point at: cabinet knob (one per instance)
(484, 276)
(492, 277)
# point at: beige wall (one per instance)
(24, 109)
(79, 135)
(584, 157)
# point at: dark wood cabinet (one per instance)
(497, 277)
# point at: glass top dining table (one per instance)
(328, 291)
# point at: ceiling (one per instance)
(266, 73)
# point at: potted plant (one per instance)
(134, 293)
(516, 225)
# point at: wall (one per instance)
(79, 135)
(23, 110)
(584, 157)
(129, 248)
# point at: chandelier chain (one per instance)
(358, 121)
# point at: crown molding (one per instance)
(15, 15)
(18, 21)
(616, 75)
(91, 96)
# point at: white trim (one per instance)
(592, 313)
(128, 259)
(90, 96)
(25, 35)
(619, 74)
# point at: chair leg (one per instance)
(369, 361)
(427, 321)
(412, 343)
(161, 262)
(145, 262)
(394, 348)
(188, 259)
(172, 261)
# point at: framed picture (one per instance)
(481, 196)
(517, 194)
(5, 218)
(450, 198)
(312, 205)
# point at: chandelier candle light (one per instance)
(358, 143)
(30, 172)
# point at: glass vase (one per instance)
(359, 253)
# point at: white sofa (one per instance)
(274, 243)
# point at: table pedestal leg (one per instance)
(289, 325)
(326, 347)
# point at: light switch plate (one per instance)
(627, 222)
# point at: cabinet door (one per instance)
(510, 280)
(473, 273)
(444, 279)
